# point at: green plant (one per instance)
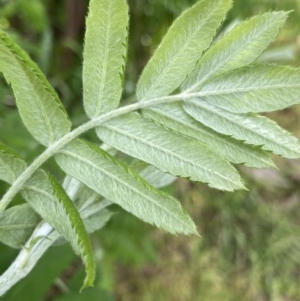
(196, 113)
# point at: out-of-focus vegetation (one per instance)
(249, 247)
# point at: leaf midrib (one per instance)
(239, 90)
(105, 60)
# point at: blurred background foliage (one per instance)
(249, 247)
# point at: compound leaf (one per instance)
(116, 182)
(251, 128)
(181, 48)
(104, 55)
(168, 151)
(39, 106)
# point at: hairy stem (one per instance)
(59, 144)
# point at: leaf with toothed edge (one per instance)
(239, 48)
(104, 54)
(183, 45)
(39, 106)
(49, 200)
(258, 88)
(251, 128)
(174, 117)
(170, 152)
(118, 183)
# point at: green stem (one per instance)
(59, 144)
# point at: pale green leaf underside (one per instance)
(104, 55)
(239, 48)
(251, 128)
(38, 104)
(17, 224)
(50, 201)
(173, 116)
(181, 48)
(168, 151)
(123, 186)
(11, 165)
(259, 88)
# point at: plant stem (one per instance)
(59, 144)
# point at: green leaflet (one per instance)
(251, 128)
(239, 48)
(175, 118)
(181, 48)
(93, 221)
(11, 165)
(168, 151)
(49, 199)
(104, 55)
(116, 182)
(17, 224)
(38, 104)
(259, 88)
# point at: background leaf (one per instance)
(104, 55)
